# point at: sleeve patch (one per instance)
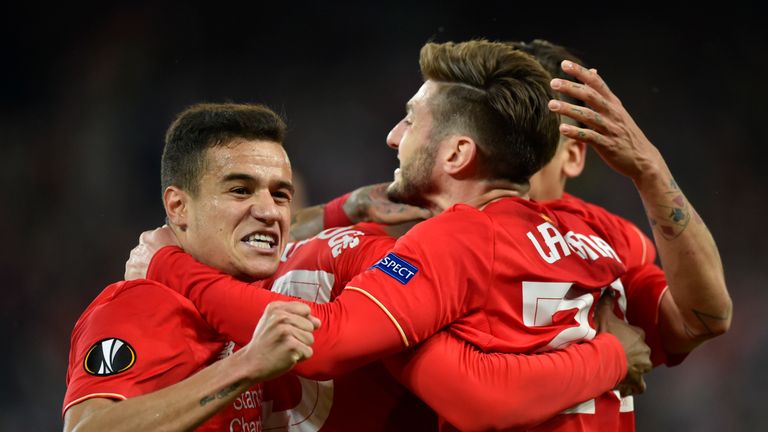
(396, 267)
(109, 357)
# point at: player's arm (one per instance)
(698, 306)
(355, 330)
(283, 337)
(364, 204)
(474, 390)
(373, 318)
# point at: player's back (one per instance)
(513, 277)
(551, 266)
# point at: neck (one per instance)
(477, 194)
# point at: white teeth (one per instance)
(261, 241)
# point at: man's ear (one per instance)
(460, 157)
(176, 201)
(576, 156)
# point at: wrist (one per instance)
(245, 369)
(651, 172)
(334, 214)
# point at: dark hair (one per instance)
(551, 55)
(206, 125)
(499, 96)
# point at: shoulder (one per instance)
(454, 235)
(137, 303)
(141, 291)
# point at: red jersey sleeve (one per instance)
(121, 348)
(230, 306)
(435, 274)
(500, 391)
(352, 262)
(354, 330)
(645, 287)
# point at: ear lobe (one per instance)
(461, 160)
(175, 202)
(576, 154)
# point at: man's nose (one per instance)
(394, 136)
(264, 208)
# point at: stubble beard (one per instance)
(415, 180)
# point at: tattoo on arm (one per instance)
(703, 319)
(221, 394)
(673, 215)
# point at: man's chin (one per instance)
(396, 193)
(258, 271)
(393, 192)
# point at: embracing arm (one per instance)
(697, 305)
(475, 390)
(364, 204)
(355, 330)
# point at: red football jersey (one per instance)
(527, 280)
(368, 398)
(644, 283)
(137, 337)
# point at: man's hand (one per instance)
(283, 337)
(632, 339)
(612, 131)
(149, 243)
(370, 204)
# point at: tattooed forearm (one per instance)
(672, 216)
(221, 394)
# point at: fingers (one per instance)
(296, 315)
(583, 93)
(301, 353)
(634, 386)
(291, 321)
(588, 136)
(590, 77)
(585, 115)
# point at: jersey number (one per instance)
(542, 300)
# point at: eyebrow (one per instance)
(409, 107)
(281, 184)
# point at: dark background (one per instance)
(86, 95)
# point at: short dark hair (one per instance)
(550, 55)
(499, 96)
(206, 125)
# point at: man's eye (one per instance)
(407, 121)
(239, 190)
(282, 196)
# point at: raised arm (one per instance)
(697, 305)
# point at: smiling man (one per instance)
(142, 357)
(475, 132)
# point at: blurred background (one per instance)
(87, 93)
